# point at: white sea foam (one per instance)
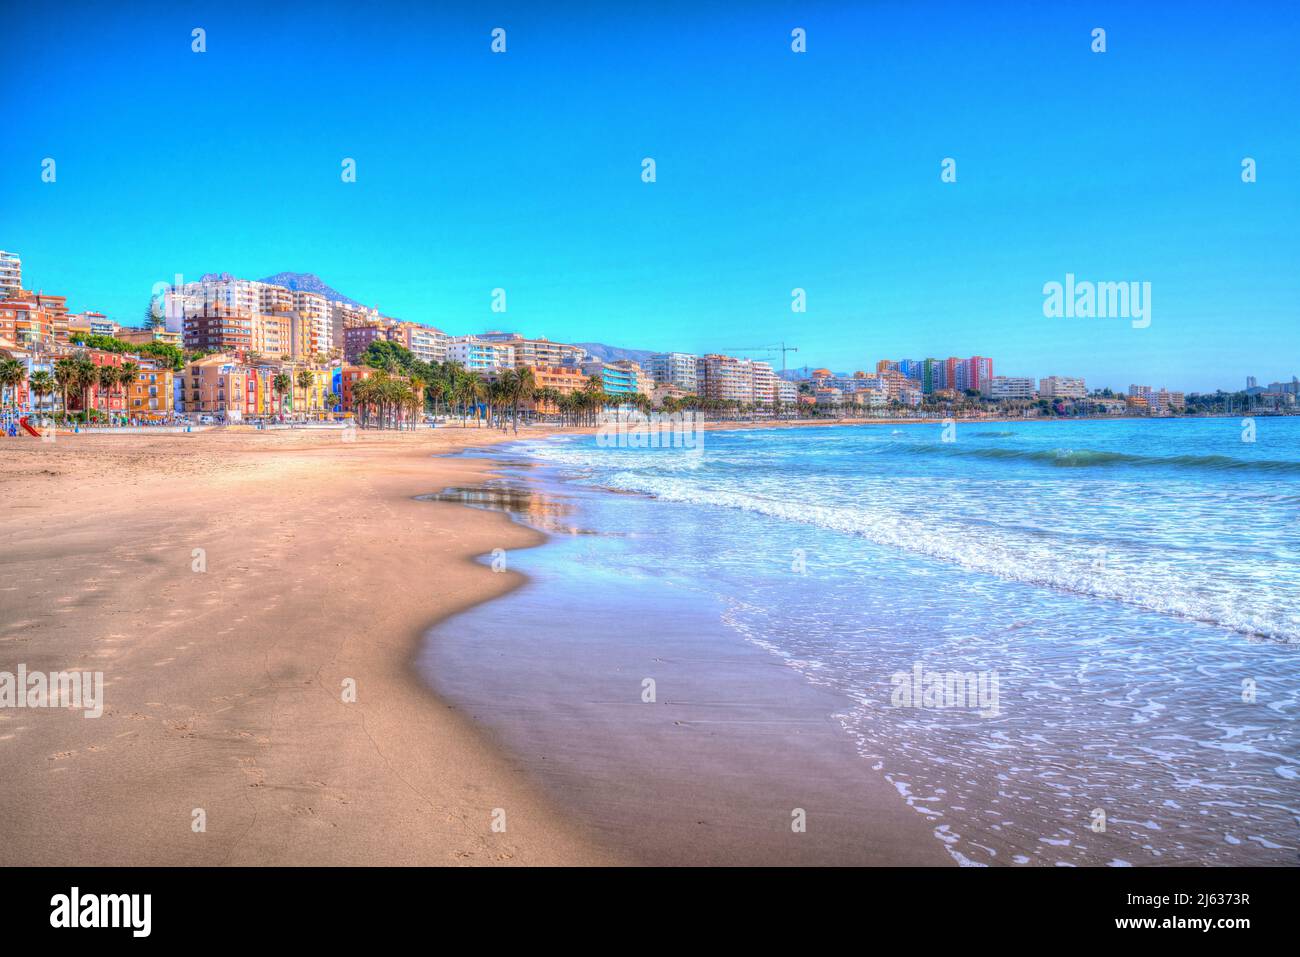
(977, 532)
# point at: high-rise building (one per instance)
(914, 369)
(617, 378)
(536, 352)
(426, 343)
(1062, 387)
(763, 383)
(11, 274)
(725, 378)
(274, 326)
(1164, 400)
(218, 328)
(25, 323)
(317, 329)
(1007, 387)
(978, 370)
(357, 339)
(676, 369)
(929, 375)
(344, 316)
(480, 355)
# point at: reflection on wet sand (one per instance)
(547, 513)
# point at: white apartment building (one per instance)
(425, 342)
(11, 274)
(479, 355)
(1008, 387)
(676, 369)
(1062, 387)
(536, 352)
(787, 393)
(763, 383)
(725, 378)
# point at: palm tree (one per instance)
(87, 376)
(363, 394)
(305, 381)
(65, 374)
(282, 383)
(332, 399)
(12, 374)
(106, 379)
(42, 384)
(522, 386)
(127, 373)
(498, 394)
(472, 389)
(593, 391)
(415, 385)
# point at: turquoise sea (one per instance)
(1130, 586)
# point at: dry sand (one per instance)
(224, 687)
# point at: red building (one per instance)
(97, 397)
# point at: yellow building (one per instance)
(310, 401)
(152, 393)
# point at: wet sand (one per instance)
(734, 753)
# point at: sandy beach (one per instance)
(232, 584)
(224, 687)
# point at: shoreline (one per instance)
(617, 569)
(223, 688)
(327, 561)
(706, 775)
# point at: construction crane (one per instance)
(780, 347)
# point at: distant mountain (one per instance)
(794, 375)
(307, 282)
(614, 353)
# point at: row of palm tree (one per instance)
(465, 390)
(383, 401)
(72, 375)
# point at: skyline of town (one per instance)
(10, 269)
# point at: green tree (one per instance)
(42, 384)
(282, 383)
(12, 374)
(306, 380)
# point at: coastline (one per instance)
(223, 688)
(326, 561)
(655, 569)
(732, 744)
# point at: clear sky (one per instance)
(775, 170)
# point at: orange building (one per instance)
(24, 323)
(151, 394)
(563, 379)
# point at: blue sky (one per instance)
(775, 171)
